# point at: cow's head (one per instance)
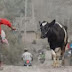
(44, 26)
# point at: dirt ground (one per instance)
(45, 67)
(36, 69)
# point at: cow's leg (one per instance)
(54, 57)
(63, 57)
(58, 54)
(63, 50)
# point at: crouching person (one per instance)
(41, 57)
(27, 58)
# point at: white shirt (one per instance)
(27, 56)
(3, 35)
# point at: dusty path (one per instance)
(46, 67)
(36, 69)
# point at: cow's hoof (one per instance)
(55, 64)
(63, 63)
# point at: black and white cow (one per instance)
(57, 38)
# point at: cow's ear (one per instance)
(53, 22)
(40, 23)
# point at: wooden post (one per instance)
(25, 19)
(33, 18)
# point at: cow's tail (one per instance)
(65, 38)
